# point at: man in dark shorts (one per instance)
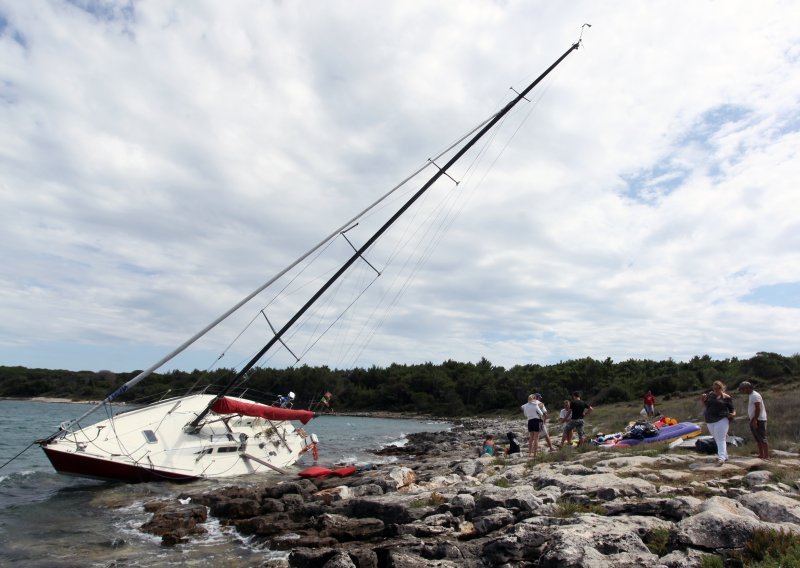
(757, 414)
(580, 410)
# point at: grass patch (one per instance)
(434, 500)
(499, 461)
(712, 561)
(772, 548)
(502, 482)
(568, 508)
(657, 541)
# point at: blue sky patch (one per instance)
(786, 295)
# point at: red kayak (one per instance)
(316, 471)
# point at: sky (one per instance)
(161, 160)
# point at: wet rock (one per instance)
(364, 557)
(292, 541)
(264, 525)
(344, 528)
(302, 557)
(237, 508)
(303, 487)
(340, 560)
(291, 501)
(175, 521)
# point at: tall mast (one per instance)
(442, 171)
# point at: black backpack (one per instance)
(708, 446)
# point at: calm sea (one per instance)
(49, 520)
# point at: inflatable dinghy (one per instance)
(665, 434)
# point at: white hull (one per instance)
(152, 443)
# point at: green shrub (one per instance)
(502, 482)
(568, 508)
(712, 561)
(657, 541)
(769, 543)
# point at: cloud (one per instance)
(161, 160)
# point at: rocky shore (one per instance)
(441, 505)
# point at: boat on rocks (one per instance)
(219, 435)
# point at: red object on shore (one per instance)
(317, 471)
(232, 406)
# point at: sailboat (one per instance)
(218, 435)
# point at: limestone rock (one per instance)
(400, 477)
(772, 507)
(757, 478)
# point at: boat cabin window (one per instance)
(227, 449)
(150, 436)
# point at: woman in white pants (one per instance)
(718, 413)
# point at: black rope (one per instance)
(19, 454)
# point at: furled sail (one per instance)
(227, 405)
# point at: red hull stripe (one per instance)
(87, 466)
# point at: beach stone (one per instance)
(303, 557)
(387, 508)
(264, 525)
(367, 489)
(291, 501)
(174, 522)
(722, 523)
(466, 467)
(605, 486)
(772, 507)
(757, 478)
(674, 508)
(364, 557)
(400, 477)
(464, 501)
(340, 560)
(691, 558)
(333, 494)
(522, 498)
(492, 520)
(596, 541)
(344, 528)
(272, 506)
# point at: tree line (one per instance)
(448, 389)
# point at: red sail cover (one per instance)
(232, 406)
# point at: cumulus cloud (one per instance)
(160, 160)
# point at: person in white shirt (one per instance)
(543, 408)
(757, 413)
(534, 415)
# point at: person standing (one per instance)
(534, 415)
(757, 413)
(580, 409)
(650, 404)
(718, 414)
(564, 417)
(543, 408)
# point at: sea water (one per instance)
(47, 519)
